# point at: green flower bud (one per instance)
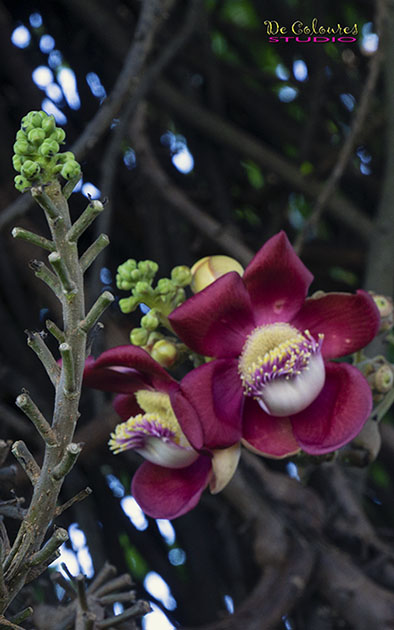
(128, 305)
(148, 268)
(180, 297)
(135, 275)
(17, 162)
(139, 336)
(181, 276)
(164, 352)
(59, 135)
(165, 286)
(30, 169)
(21, 183)
(143, 289)
(21, 147)
(20, 135)
(150, 321)
(62, 158)
(49, 148)
(70, 169)
(36, 136)
(36, 118)
(49, 125)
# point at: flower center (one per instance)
(282, 368)
(155, 434)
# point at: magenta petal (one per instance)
(135, 358)
(215, 392)
(348, 322)
(277, 281)
(126, 406)
(123, 380)
(169, 492)
(216, 321)
(188, 419)
(338, 413)
(267, 434)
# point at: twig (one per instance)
(35, 239)
(67, 462)
(93, 251)
(46, 275)
(82, 223)
(56, 540)
(98, 308)
(68, 368)
(26, 460)
(104, 574)
(80, 496)
(59, 265)
(25, 403)
(36, 343)
(55, 331)
(139, 609)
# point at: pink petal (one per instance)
(136, 359)
(216, 321)
(277, 281)
(338, 413)
(126, 406)
(267, 434)
(348, 322)
(188, 419)
(126, 381)
(169, 492)
(215, 392)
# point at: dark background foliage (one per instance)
(293, 136)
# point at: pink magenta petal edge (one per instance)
(134, 358)
(215, 392)
(216, 321)
(348, 322)
(169, 492)
(338, 414)
(277, 281)
(108, 379)
(126, 406)
(267, 434)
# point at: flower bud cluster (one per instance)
(380, 376)
(164, 297)
(386, 311)
(37, 157)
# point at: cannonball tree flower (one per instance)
(181, 461)
(272, 348)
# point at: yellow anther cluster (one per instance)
(158, 421)
(272, 351)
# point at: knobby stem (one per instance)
(66, 280)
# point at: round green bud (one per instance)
(21, 183)
(165, 286)
(181, 276)
(21, 147)
(164, 352)
(143, 289)
(128, 305)
(59, 135)
(49, 148)
(36, 135)
(126, 268)
(35, 118)
(20, 135)
(49, 125)
(70, 169)
(150, 321)
(17, 162)
(62, 158)
(139, 336)
(148, 268)
(135, 275)
(30, 169)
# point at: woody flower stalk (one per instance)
(42, 170)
